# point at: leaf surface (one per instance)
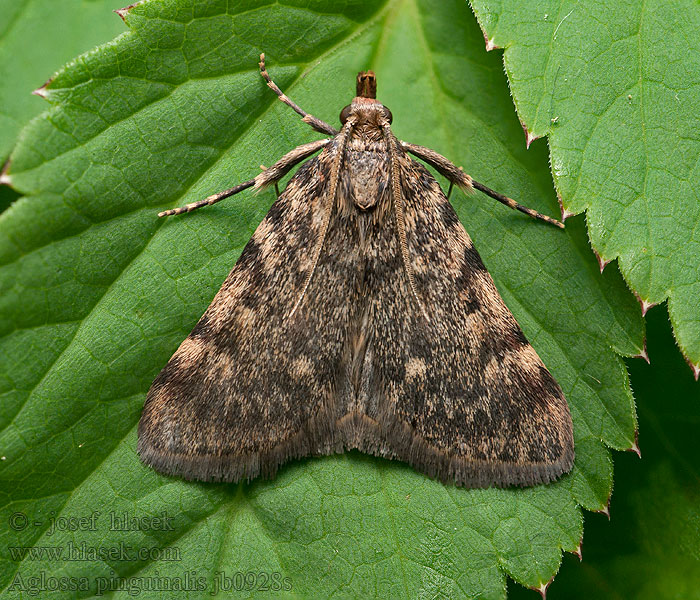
(649, 549)
(615, 87)
(36, 38)
(96, 293)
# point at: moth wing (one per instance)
(462, 396)
(250, 388)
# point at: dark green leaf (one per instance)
(36, 38)
(96, 293)
(649, 548)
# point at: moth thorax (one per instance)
(366, 173)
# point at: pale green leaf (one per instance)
(615, 87)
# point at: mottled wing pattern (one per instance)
(462, 396)
(250, 388)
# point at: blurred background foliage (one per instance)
(650, 548)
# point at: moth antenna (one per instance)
(315, 123)
(400, 216)
(330, 204)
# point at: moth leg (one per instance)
(283, 165)
(267, 177)
(315, 123)
(208, 201)
(456, 176)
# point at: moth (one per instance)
(359, 315)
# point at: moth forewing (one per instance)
(359, 315)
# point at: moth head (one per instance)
(366, 97)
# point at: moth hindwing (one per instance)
(359, 315)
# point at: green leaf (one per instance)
(615, 86)
(649, 549)
(96, 293)
(36, 38)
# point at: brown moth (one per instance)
(359, 315)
